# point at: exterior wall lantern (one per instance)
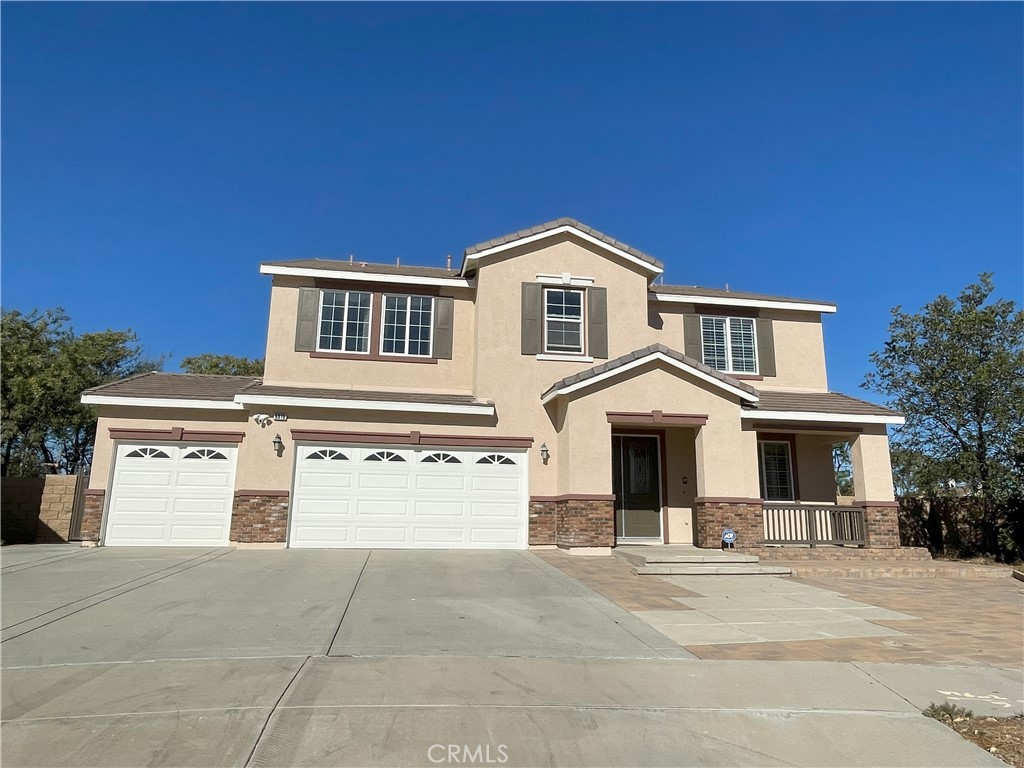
(278, 444)
(545, 454)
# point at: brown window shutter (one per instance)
(765, 347)
(533, 319)
(692, 345)
(597, 322)
(444, 314)
(306, 320)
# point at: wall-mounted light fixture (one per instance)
(545, 454)
(278, 444)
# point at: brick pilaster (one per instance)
(92, 515)
(882, 524)
(260, 518)
(715, 515)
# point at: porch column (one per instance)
(873, 487)
(728, 487)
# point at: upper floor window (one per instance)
(728, 344)
(563, 320)
(407, 324)
(345, 321)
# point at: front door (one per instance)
(636, 482)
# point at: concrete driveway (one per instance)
(345, 657)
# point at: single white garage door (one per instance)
(171, 495)
(400, 497)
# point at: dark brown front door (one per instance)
(636, 482)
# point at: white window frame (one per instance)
(582, 321)
(408, 317)
(789, 469)
(728, 344)
(344, 323)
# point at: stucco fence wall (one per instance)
(38, 509)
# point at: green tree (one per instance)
(956, 370)
(843, 467)
(45, 367)
(224, 365)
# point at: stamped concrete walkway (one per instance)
(976, 622)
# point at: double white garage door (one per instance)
(342, 496)
(375, 496)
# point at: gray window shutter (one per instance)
(765, 347)
(533, 319)
(597, 322)
(444, 313)
(306, 320)
(692, 346)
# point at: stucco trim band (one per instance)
(575, 497)
(176, 434)
(657, 417)
(275, 494)
(411, 438)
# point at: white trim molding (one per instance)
(551, 356)
(161, 402)
(714, 380)
(483, 409)
(369, 277)
(565, 278)
(559, 231)
(799, 306)
(832, 418)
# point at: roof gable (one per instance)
(635, 359)
(561, 226)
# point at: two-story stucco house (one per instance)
(550, 391)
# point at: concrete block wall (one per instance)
(37, 509)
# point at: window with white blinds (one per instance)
(729, 344)
(776, 471)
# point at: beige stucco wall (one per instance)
(287, 367)
(681, 482)
(815, 471)
(872, 470)
(725, 458)
(799, 345)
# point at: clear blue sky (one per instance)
(153, 154)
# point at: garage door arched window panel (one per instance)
(147, 453)
(328, 454)
(441, 458)
(205, 453)
(384, 456)
(494, 458)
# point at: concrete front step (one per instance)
(695, 569)
(679, 554)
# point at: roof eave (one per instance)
(798, 306)
(824, 417)
(372, 277)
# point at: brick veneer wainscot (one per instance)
(259, 518)
(572, 522)
(541, 529)
(744, 517)
(585, 523)
(92, 515)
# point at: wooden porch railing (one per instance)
(813, 524)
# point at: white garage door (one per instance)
(171, 495)
(400, 497)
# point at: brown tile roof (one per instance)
(719, 293)
(563, 222)
(365, 267)
(820, 402)
(177, 386)
(321, 393)
(618, 362)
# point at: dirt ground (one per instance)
(1001, 736)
